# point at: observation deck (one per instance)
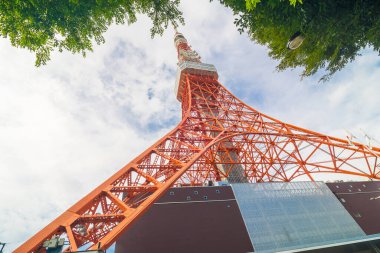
(194, 68)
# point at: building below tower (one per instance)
(188, 220)
(362, 201)
(265, 217)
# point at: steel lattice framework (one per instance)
(219, 138)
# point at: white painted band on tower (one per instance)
(195, 68)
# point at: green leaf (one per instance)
(44, 26)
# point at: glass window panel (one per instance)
(284, 216)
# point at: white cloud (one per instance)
(66, 127)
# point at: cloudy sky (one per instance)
(67, 126)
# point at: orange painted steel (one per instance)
(217, 136)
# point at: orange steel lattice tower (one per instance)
(219, 138)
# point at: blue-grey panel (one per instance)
(284, 216)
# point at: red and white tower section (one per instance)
(219, 138)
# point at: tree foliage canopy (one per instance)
(334, 31)
(73, 25)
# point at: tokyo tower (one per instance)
(219, 138)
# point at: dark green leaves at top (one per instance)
(73, 25)
(334, 30)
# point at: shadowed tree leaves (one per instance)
(44, 25)
(334, 30)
